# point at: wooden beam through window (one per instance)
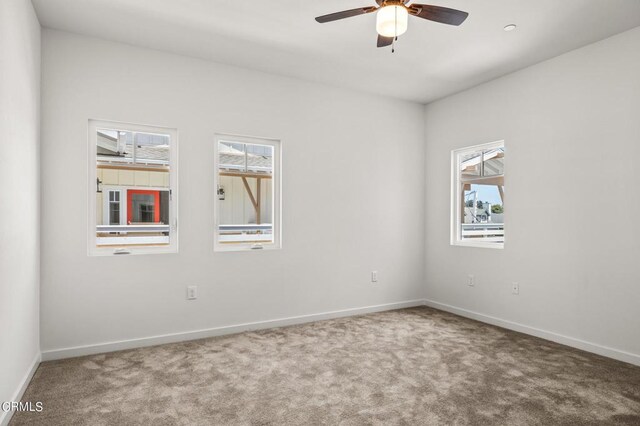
(233, 173)
(465, 187)
(501, 191)
(258, 197)
(255, 201)
(486, 180)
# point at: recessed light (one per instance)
(510, 27)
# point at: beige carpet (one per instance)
(411, 366)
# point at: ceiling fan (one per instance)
(393, 16)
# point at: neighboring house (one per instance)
(240, 172)
(478, 214)
(132, 187)
(482, 215)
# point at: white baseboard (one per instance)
(543, 334)
(5, 417)
(54, 354)
(71, 352)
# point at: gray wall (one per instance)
(353, 180)
(20, 205)
(571, 127)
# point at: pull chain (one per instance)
(395, 30)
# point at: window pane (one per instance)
(115, 146)
(245, 193)
(151, 149)
(142, 206)
(483, 216)
(494, 162)
(114, 214)
(132, 194)
(470, 164)
(231, 155)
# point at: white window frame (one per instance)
(276, 193)
(456, 197)
(92, 248)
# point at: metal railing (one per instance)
(159, 234)
(246, 233)
(112, 235)
(152, 227)
(490, 232)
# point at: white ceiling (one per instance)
(280, 36)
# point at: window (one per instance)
(247, 201)
(132, 189)
(114, 208)
(478, 196)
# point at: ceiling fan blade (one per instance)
(444, 15)
(345, 14)
(384, 41)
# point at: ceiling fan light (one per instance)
(392, 21)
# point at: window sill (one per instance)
(101, 252)
(499, 246)
(219, 248)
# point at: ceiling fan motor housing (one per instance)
(383, 3)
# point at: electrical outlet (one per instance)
(192, 292)
(515, 288)
(471, 280)
(374, 276)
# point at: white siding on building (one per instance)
(237, 207)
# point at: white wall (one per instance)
(353, 181)
(572, 132)
(20, 205)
